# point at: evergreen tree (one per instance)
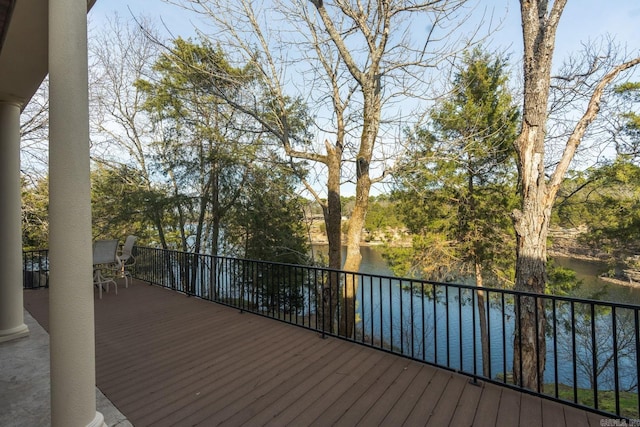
(457, 188)
(206, 147)
(35, 215)
(268, 225)
(631, 92)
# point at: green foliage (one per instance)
(121, 204)
(35, 215)
(628, 401)
(606, 199)
(456, 189)
(630, 92)
(193, 77)
(560, 280)
(572, 206)
(212, 184)
(267, 221)
(401, 261)
(381, 215)
(618, 219)
(267, 224)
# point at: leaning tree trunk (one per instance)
(376, 29)
(371, 125)
(352, 262)
(539, 24)
(354, 235)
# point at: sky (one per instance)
(582, 20)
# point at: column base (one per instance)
(14, 333)
(98, 421)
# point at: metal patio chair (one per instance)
(126, 259)
(105, 260)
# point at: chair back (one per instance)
(104, 251)
(127, 248)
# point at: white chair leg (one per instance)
(97, 281)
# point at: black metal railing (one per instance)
(588, 357)
(35, 269)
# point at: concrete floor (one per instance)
(24, 383)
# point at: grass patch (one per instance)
(606, 399)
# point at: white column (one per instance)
(11, 304)
(71, 311)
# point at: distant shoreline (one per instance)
(618, 281)
(551, 253)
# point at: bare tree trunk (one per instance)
(333, 220)
(529, 349)
(352, 263)
(532, 221)
(531, 225)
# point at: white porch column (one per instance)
(11, 304)
(71, 310)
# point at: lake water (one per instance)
(587, 271)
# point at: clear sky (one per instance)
(582, 20)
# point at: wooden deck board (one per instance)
(467, 405)
(219, 379)
(509, 409)
(272, 395)
(309, 391)
(488, 405)
(364, 405)
(249, 386)
(167, 359)
(350, 396)
(391, 395)
(445, 409)
(575, 416)
(530, 411)
(404, 405)
(552, 414)
(428, 400)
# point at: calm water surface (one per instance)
(587, 271)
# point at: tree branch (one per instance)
(581, 127)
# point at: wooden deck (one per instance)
(165, 359)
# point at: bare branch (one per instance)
(581, 127)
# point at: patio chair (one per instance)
(105, 259)
(126, 258)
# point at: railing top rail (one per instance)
(423, 282)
